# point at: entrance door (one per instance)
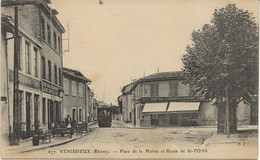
(174, 119)
(36, 113)
(50, 114)
(154, 119)
(28, 112)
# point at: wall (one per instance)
(143, 89)
(243, 114)
(28, 17)
(70, 102)
(207, 114)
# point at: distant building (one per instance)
(74, 100)
(126, 102)
(161, 99)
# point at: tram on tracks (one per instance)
(104, 116)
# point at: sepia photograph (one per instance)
(129, 79)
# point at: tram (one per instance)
(104, 116)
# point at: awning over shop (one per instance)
(155, 107)
(183, 106)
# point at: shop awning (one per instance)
(155, 107)
(183, 106)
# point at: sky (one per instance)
(122, 40)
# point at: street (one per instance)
(120, 141)
(124, 142)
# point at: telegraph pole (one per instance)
(16, 126)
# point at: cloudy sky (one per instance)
(119, 40)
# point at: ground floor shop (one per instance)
(167, 114)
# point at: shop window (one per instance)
(44, 110)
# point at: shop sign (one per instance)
(50, 88)
(166, 99)
(25, 80)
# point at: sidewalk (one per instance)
(27, 146)
(246, 135)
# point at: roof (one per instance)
(160, 76)
(75, 73)
(164, 75)
(42, 3)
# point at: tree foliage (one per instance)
(224, 54)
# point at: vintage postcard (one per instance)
(129, 79)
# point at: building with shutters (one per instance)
(162, 99)
(40, 64)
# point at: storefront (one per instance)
(51, 102)
(172, 113)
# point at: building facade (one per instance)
(162, 99)
(40, 65)
(74, 100)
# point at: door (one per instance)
(174, 119)
(28, 112)
(154, 119)
(36, 111)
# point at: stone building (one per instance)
(40, 65)
(74, 100)
(161, 99)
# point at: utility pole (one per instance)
(16, 126)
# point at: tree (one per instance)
(223, 60)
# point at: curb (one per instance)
(134, 127)
(206, 141)
(54, 145)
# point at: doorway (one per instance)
(28, 112)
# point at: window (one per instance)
(35, 62)
(55, 40)
(19, 54)
(74, 114)
(81, 87)
(27, 58)
(43, 68)
(49, 67)
(55, 74)
(43, 28)
(66, 86)
(59, 45)
(80, 115)
(49, 33)
(175, 89)
(44, 110)
(60, 78)
(154, 90)
(74, 88)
